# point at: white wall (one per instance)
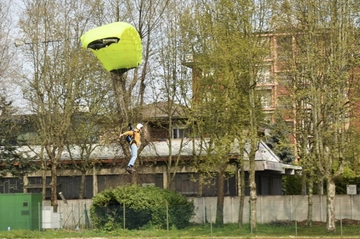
(269, 208)
(277, 208)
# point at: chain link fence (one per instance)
(75, 214)
(277, 208)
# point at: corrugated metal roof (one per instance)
(162, 110)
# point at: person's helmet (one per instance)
(139, 126)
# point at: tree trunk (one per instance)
(253, 195)
(253, 145)
(220, 199)
(53, 186)
(134, 178)
(95, 181)
(252, 185)
(43, 173)
(26, 182)
(43, 180)
(200, 187)
(82, 185)
(320, 185)
(241, 193)
(303, 182)
(120, 95)
(309, 222)
(170, 159)
(330, 222)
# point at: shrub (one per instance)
(143, 206)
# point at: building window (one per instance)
(178, 133)
(284, 79)
(268, 119)
(265, 98)
(265, 44)
(284, 47)
(264, 74)
(208, 73)
(29, 138)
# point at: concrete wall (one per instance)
(269, 208)
(74, 214)
(277, 208)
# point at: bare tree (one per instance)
(8, 63)
(53, 84)
(130, 88)
(172, 81)
(5, 27)
(87, 124)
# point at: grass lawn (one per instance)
(198, 231)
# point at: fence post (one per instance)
(87, 221)
(167, 216)
(321, 208)
(210, 214)
(262, 214)
(294, 208)
(291, 208)
(39, 216)
(204, 209)
(340, 220)
(60, 210)
(251, 229)
(124, 215)
(79, 217)
(234, 213)
(352, 205)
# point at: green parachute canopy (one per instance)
(117, 46)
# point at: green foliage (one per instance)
(278, 229)
(279, 142)
(143, 206)
(292, 185)
(343, 181)
(12, 161)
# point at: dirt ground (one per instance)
(345, 222)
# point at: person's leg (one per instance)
(134, 150)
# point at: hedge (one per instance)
(144, 206)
